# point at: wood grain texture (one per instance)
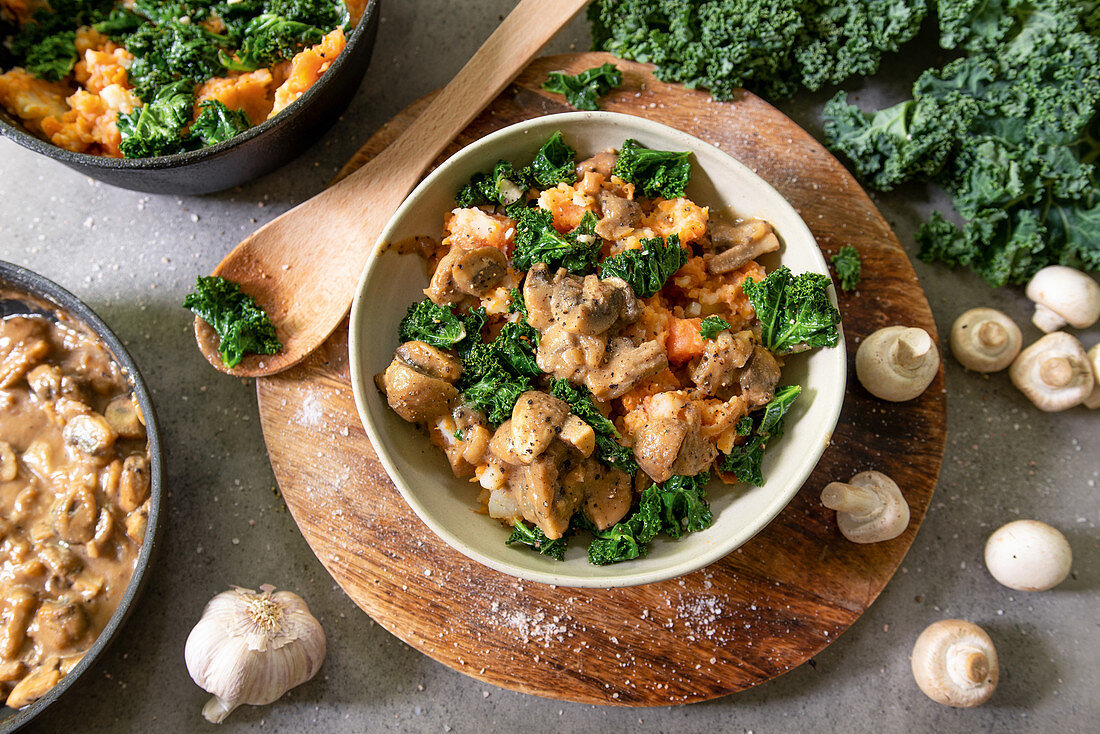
(750, 617)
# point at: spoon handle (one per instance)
(529, 27)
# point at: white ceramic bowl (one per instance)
(391, 282)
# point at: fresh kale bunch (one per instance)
(554, 163)
(1010, 131)
(647, 268)
(744, 460)
(608, 449)
(241, 325)
(795, 311)
(583, 90)
(662, 173)
(711, 326)
(537, 241)
(848, 266)
(768, 46)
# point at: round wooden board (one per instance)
(748, 618)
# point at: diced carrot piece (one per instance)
(684, 340)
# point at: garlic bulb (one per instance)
(252, 647)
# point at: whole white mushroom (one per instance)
(897, 363)
(1028, 555)
(1063, 296)
(955, 663)
(1053, 372)
(869, 508)
(1092, 402)
(985, 340)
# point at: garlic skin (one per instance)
(252, 647)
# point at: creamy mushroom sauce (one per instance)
(674, 397)
(74, 498)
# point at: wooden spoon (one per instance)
(302, 267)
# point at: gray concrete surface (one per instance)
(133, 257)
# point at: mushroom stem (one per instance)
(967, 665)
(858, 501)
(912, 347)
(1056, 371)
(1046, 319)
(992, 334)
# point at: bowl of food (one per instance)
(144, 98)
(584, 357)
(80, 490)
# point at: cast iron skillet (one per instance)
(251, 154)
(46, 298)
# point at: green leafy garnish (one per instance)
(170, 51)
(270, 38)
(157, 127)
(217, 123)
(684, 505)
(848, 267)
(608, 449)
(504, 186)
(647, 268)
(744, 461)
(711, 326)
(537, 241)
(522, 534)
(496, 373)
(241, 325)
(582, 90)
(662, 173)
(516, 304)
(53, 57)
(795, 311)
(431, 324)
(555, 163)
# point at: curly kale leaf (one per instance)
(583, 90)
(268, 39)
(744, 461)
(171, 51)
(439, 326)
(662, 173)
(504, 185)
(795, 311)
(647, 268)
(157, 128)
(217, 123)
(1010, 131)
(496, 373)
(769, 47)
(53, 57)
(629, 538)
(555, 163)
(241, 325)
(537, 241)
(684, 506)
(523, 534)
(848, 266)
(608, 449)
(711, 326)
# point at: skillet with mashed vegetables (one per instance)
(146, 78)
(594, 346)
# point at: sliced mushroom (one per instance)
(620, 216)
(608, 494)
(89, 433)
(478, 271)
(543, 498)
(24, 347)
(671, 442)
(592, 306)
(626, 366)
(136, 523)
(124, 416)
(414, 384)
(538, 287)
(579, 435)
(985, 340)
(955, 663)
(537, 418)
(759, 377)
(1053, 372)
(45, 381)
(869, 508)
(74, 515)
(9, 465)
(897, 363)
(133, 483)
(738, 243)
(1063, 296)
(58, 624)
(601, 163)
(36, 685)
(718, 371)
(16, 608)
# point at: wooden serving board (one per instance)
(748, 618)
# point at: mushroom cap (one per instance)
(1063, 295)
(897, 363)
(1053, 372)
(985, 340)
(1028, 555)
(870, 507)
(954, 663)
(1092, 402)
